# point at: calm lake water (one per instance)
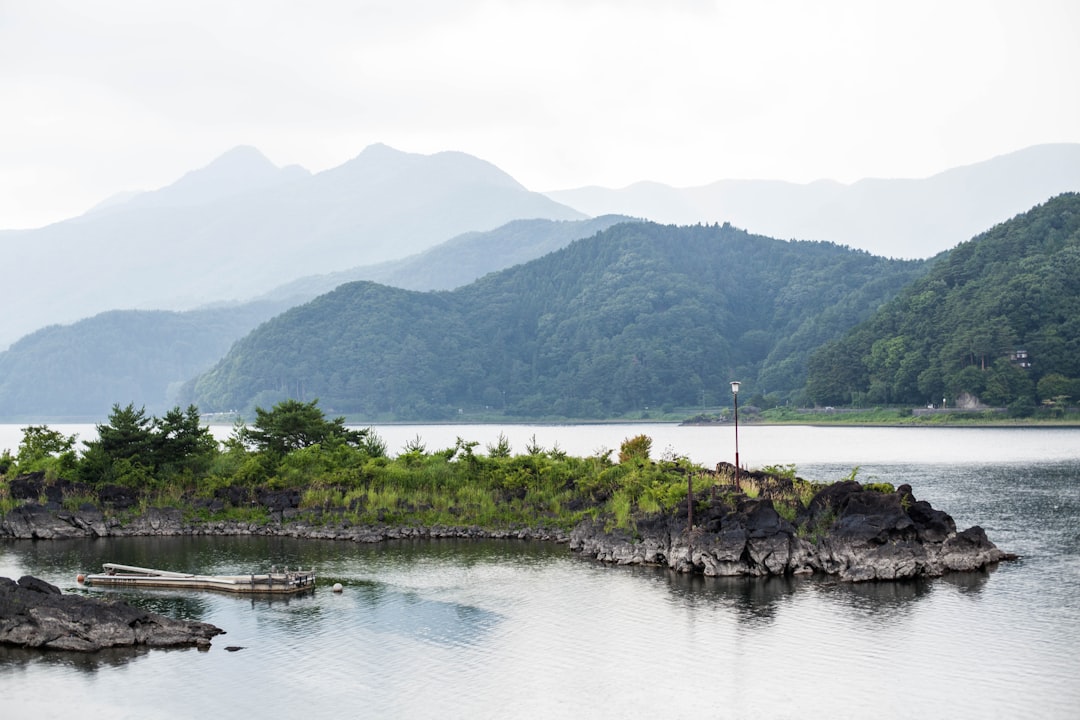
(450, 629)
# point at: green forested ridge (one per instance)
(956, 330)
(81, 370)
(459, 260)
(639, 316)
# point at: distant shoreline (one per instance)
(811, 420)
(967, 424)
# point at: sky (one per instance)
(99, 97)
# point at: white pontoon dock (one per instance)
(287, 581)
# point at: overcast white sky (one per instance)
(99, 97)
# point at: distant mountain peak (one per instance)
(897, 217)
(241, 163)
(375, 149)
(378, 162)
(237, 171)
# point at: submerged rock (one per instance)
(35, 614)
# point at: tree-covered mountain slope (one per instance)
(459, 260)
(79, 371)
(641, 315)
(998, 318)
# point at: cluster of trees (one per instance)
(639, 316)
(294, 457)
(140, 450)
(134, 448)
(997, 318)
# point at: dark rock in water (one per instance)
(37, 585)
(933, 525)
(848, 531)
(35, 614)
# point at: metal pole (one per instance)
(736, 395)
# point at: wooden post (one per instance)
(689, 501)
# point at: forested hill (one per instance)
(459, 260)
(998, 319)
(641, 315)
(79, 371)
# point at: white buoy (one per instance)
(337, 587)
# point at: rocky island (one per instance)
(296, 474)
(757, 527)
(36, 614)
(847, 530)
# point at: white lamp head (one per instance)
(734, 387)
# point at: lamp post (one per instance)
(735, 395)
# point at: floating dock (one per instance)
(273, 582)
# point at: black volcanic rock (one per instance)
(35, 614)
(848, 531)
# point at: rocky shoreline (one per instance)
(50, 522)
(847, 531)
(35, 614)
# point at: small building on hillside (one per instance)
(1021, 358)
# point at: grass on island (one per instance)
(343, 485)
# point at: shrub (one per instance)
(636, 448)
(881, 487)
(621, 505)
(787, 509)
(786, 472)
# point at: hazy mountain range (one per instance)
(79, 370)
(241, 226)
(244, 236)
(458, 261)
(893, 218)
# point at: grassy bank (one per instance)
(908, 416)
(336, 483)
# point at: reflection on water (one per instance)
(754, 600)
(410, 614)
(179, 605)
(15, 661)
(889, 601)
(970, 583)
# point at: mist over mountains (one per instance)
(80, 370)
(890, 217)
(638, 316)
(241, 226)
(240, 240)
